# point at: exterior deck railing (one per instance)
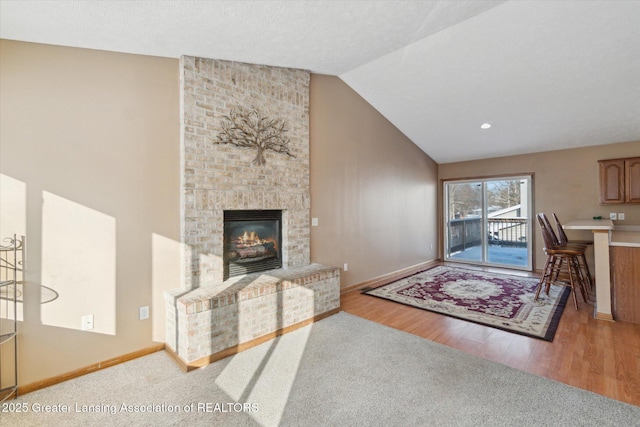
(465, 233)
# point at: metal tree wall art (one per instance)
(246, 128)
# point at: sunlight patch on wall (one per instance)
(79, 263)
(166, 273)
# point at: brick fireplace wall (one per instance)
(207, 316)
(218, 177)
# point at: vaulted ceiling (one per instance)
(545, 74)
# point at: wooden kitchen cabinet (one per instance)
(632, 180)
(620, 181)
(625, 283)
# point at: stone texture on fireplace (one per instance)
(208, 320)
(207, 315)
(217, 177)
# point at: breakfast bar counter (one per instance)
(601, 229)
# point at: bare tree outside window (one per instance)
(247, 128)
(504, 193)
(464, 200)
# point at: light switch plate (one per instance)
(314, 222)
(144, 312)
(87, 322)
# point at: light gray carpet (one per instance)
(343, 370)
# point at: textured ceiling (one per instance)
(546, 74)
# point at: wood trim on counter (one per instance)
(625, 283)
(602, 316)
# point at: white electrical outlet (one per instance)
(346, 267)
(621, 216)
(87, 322)
(144, 312)
(314, 222)
(613, 216)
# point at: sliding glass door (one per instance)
(488, 221)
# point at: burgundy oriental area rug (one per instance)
(498, 300)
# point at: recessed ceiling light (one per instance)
(485, 126)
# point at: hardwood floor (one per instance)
(595, 355)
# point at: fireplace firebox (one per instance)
(252, 241)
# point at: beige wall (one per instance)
(565, 182)
(89, 158)
(373, 191)
(89, 163)
(89, 171)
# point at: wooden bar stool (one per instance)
(560, 260)
(577, 245)
(564, 241)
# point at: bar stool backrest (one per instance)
(562, 237)
(549, 228)
(547, 232)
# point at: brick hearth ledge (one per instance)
(208, 320)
